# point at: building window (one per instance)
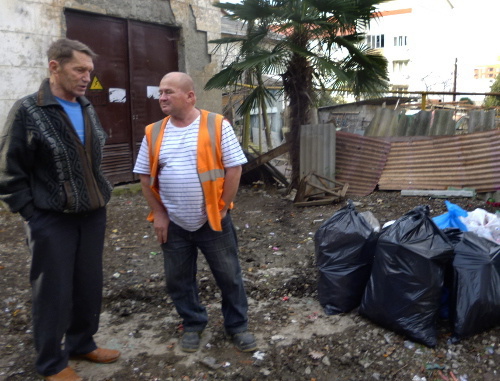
(399, 89)
(400, 41)
(375, 41)
(399, 66)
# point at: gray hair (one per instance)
(62, 50)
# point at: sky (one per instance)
(477, 28)
(475, 25)
(467, 31)
(472, 38)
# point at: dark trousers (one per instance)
(221, 252)
(66, 280)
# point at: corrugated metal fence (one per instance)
(389, 122)
(460, 161)
(341, 156)
(317, 150)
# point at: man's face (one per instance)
(174, 100)
(71, 79)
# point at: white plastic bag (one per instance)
(484, 224)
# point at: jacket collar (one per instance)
(44, 96)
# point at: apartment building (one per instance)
(487, 71)
(436, 45)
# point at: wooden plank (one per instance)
(301, 190)
(325, 201)
(343, 192)
(264, 158)
(439, 193)
(307, 194)
(277, 174)
(325, 190)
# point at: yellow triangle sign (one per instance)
(96, 84)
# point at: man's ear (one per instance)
(53, 66)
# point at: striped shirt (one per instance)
(180, 188)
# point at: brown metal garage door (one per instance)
(133, 57)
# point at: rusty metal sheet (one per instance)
(360, 161)
(153, 53)
(133, 57)
(462, 161)
(107, 37)
(116, 163)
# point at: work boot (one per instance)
(244, 341)
(190, 341)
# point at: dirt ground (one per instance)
(297, 340)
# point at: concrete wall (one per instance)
(28, 27)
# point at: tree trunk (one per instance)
(297, 83)
(246, 131)
(267, 127)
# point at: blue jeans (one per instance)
(220, 249)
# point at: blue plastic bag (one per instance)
(451, 219)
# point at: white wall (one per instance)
(28, 27)
(26, 31)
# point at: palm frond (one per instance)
(328, 69)
(252, 100)
(265, 61)
(226, 77)
(248, 10)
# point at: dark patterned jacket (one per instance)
(44, 165)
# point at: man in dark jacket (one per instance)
(50, 173)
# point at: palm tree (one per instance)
(317, 43)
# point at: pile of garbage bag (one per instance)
(413, 272)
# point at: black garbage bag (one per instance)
(345, 246)
(476, 290)
(455, 236)
(405, 286)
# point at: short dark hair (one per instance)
(62, 50)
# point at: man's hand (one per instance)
(231, 183)
(223, 213)
(160, 214)
(161, 226)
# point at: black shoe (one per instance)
(190, 341)
(244, 341)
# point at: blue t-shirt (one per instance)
(74, 111)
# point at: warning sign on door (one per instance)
(96, 84)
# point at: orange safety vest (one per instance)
(209, 162)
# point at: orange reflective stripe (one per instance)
(154, 147)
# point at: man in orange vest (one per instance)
(189, 165)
